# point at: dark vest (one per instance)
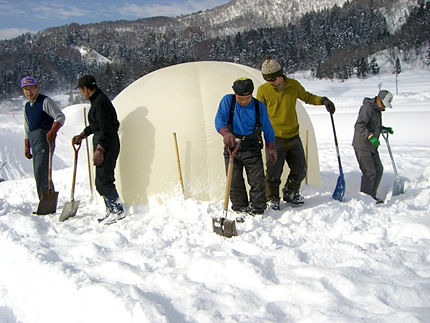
(37, 118)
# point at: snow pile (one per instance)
(325, 261)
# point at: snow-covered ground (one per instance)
(327, 261)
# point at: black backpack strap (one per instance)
(257, 128)
(230, 119)
(257, 116)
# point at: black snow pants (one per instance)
(251, 160)
(289, 150)
(105, 173)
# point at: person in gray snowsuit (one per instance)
(368, 127)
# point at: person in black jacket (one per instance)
(368, 127)
(104, 125)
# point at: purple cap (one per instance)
(28, 80)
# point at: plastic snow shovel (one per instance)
(70, 208)
(222, 225)
(48, 199)
(339, 191)
(399, 184)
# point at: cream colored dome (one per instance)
(183, 99)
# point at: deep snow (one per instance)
(327, 261)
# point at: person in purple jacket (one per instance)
(240, 116)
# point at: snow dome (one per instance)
(183, 99)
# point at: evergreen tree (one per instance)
(374, 67)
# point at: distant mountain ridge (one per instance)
(329, 37)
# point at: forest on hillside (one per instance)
(334, 43)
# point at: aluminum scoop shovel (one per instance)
(70, 208)
(222, 225)
(399, 184)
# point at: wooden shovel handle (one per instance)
(230, 172)
(74, 168)
(50, 144)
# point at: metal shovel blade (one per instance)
(224, 227)
(69, 210)
(398, 187)
(47, 203)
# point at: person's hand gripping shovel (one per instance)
(222, 225)
(70, 208)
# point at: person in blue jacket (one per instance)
(248, 118)
(42, 120)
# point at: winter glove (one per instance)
(229, 138)
(328, 105)
(52, 133)
(98, 156)
(27, 152)
(374, 141)
(388, 129)
(76, 140)
(273, 154)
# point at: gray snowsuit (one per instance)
(369, 122)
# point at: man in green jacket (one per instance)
(279, 94)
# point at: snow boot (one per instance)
(114, 209)
(274, 204)
(240, 214)
(293, 197)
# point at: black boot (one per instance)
(114, 208)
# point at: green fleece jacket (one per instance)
(281, 105)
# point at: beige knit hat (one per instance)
(271, 68)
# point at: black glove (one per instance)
(328, 104)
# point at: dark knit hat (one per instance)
(271, 68)
(243, 86)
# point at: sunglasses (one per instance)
(271, 80)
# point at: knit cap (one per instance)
(271, 68)
(243, 86)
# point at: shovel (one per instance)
(48, 199)
(222, 225)
(339, 191)
(399, 184)
(70, 208)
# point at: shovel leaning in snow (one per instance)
(70, 208)
(399, 184)
(339, 191)
(222, 225)
(48, 199)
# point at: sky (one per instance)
(22, 16)
(327, 261)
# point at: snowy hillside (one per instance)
(326, 261)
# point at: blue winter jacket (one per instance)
(244, 118)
